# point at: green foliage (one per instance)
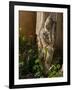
(38, 69)
(27, 56)
(30, 65)
(55, 71)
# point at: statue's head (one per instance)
(49, 23)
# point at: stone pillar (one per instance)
(39, 25)
(39, 21)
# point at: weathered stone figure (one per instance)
(46, 40)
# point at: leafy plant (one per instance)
(55, 71)
(30, 65)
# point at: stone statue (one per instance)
(46, 40)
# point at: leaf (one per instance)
(35, 67)
(36, 61)
(30, 51)
(55, 68)
(37, 74)
(58, 66)
(41, 67)
(46, 50)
